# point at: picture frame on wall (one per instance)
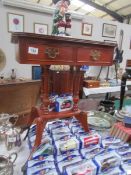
(40, 28)
(109, 30)
(87, 29)
(15, 22)
(36, 72)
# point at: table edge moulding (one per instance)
(48, 50)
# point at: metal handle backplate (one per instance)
(52, 52)
(95, 55)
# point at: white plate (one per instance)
(99, 122)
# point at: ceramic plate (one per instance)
(100, 120)
(96, 121)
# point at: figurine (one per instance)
(62, 18)
(13, 74)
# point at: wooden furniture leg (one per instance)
(33, 115)
(40, 125)
(83, 119)
(45, 90)
(76, 84)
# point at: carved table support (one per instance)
(76, 85)
(40, 125)
(83, 119)
(45, 89)
(41, 120)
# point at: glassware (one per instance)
(4, 121)
(9, 133)
(13, 138)
(6, 165)
(1, 78)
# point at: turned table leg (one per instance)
(76, 86)
(45, 90)
(83, 119)
(40, 125)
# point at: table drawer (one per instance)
(95, 56)
(49, 53)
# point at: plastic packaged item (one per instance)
(44, 140)
(43, 165)
(127, 121)
(62, 137)
(32, 131)
(107, 160)
(64, 103)
(74, 124)
(38, 159)
(91, 151)
(67, 154)
(111, 142)
(76, 129)
(62, 129)
(114, 171)
(79, 133)
(66, 145)
(55, 124)
(46, 171)
(43, 149)
(52, 99)
(58, 127)
(68, 161)
(32, 137)
(123, 149)
(126, 166)
(86, 140)
(126, 157)
(85, 167)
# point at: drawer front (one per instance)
(95, 56)
(52, 54)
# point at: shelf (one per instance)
(101, 90)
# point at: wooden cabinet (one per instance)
(53, 50)
(46, 50)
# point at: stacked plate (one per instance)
(100, 120)
(120, 114)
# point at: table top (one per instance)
(101, 90)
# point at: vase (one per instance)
(13, 74)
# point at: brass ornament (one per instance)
(52, 52)
(2, 60)
(95, 55)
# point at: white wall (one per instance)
(30, 17)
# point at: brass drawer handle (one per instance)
(95, 55)
(52, 52)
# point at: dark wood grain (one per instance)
(71, 51)
(54, 50)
